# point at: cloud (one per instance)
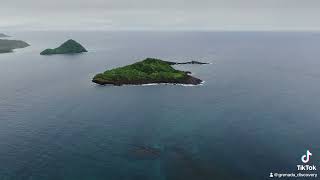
(160, 15)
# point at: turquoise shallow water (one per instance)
(257, 112)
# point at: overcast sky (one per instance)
(160, 14)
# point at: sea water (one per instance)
(256, 113)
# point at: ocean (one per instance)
(256, 113)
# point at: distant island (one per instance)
(7, 46)
(147, 71)
(3, 35)
(69, 47)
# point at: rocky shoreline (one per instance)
(188, 62)
(189, 80)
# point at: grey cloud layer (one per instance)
(145, 4)
(161, 14)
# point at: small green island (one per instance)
(7, 46)
(147, 71)
(69, 47)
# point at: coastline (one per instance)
(157, 84)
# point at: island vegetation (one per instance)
(9, 45)
(69, 47)
(147, 71)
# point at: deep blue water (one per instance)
(257, 112)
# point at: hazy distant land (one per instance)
(9, 45)
(3, 35)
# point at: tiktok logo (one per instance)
(306, 158)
